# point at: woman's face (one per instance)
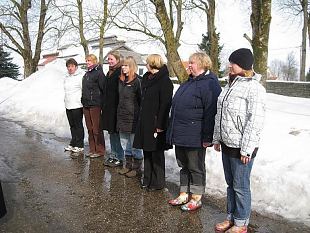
(194, 68)
(234, 68)
(125, 69)
(112, 60)
(71, 68)
(89, 62)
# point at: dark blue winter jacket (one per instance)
(193, 111)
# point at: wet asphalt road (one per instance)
(48, 191)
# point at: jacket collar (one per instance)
(199, 77)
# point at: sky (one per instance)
(232, 21)
(280, 176)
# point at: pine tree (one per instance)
(205, 46)
(7, 68)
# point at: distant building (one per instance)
(110, 43)
(47, 58)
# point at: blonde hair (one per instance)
(92, 57)
(248, 73)
(202, 59)
(131, 63)
(155, 61)
(115, 54)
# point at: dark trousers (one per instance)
(154, 169)
(2, 203)
(193, 171)
(95, 132)
(75, 118)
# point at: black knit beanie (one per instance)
(242, 57)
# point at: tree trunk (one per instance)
(171, 43)
(260, 21)
(214, 43)
(20, 14)
(102, 30)
(84, 42)
(309, 27)
(41, 33)
(302, 76)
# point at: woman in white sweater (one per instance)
(74, 107)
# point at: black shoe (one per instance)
(108, 162)
(116, 163)
(143, 186)
(154, 189)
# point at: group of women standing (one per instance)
(135, 112)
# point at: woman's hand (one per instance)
(159, 130)
(245, 159)
(206, 144)
(217, 147)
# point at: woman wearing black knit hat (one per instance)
(238, 125)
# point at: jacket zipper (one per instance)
(224, 99)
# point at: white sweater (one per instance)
(73, 90)
(240, 114)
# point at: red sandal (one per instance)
(223, 226)
(191, 205)
(180, 200)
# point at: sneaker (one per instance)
(77, 149)
(116, 163)
(88, 154)
(108, 162)
(180, 200)
(236, 229)
(69, 148)
(223, 226)
(94, 155)
(191, 205)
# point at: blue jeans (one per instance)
(193, 170)
(116, 148)
(126, 142)
(237, 176)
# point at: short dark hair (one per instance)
(71, 61)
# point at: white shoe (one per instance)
(69, 148)
(77, 149)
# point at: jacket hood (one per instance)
(77, 73)
(257, 77)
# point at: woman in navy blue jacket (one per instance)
(191, 129)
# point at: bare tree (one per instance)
(260, 22)
(208, 7)
(104, 21)
(299, 8)
(276, 68)
(90, 20)
(162, 23)
(23, 23)
(289, 68)
(74, 11)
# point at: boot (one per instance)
(128, 166)
(136, 168)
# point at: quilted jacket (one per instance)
(240, 114)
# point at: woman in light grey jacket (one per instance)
(238, 125)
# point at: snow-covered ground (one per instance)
(281, 172)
